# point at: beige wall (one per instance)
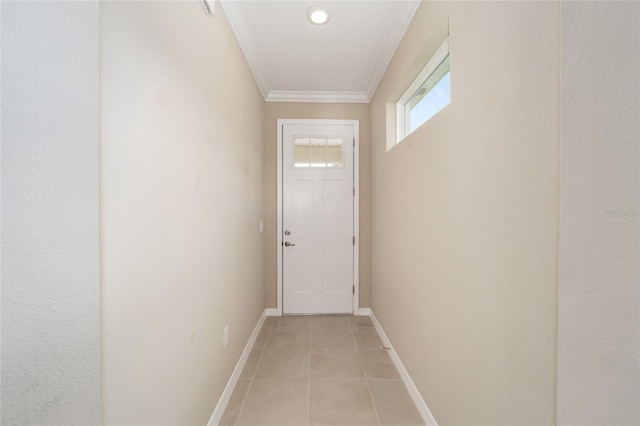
(181, 201)
(275, 111)
(599, 291)
(465, 218)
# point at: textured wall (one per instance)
(464, 218)
(599, 281)
(181, 202)
(277, 110)
(50, 257)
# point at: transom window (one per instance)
(426, 95)
(318, 152)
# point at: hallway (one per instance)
(496, 247)
(319, 370)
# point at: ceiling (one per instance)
(341, 61)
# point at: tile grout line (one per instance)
(373, 402)
(364, 372)
(244, 400)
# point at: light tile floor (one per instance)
(319, 370)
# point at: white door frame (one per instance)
(356, 202)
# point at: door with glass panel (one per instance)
(317, 218)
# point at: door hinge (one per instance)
(354, 191)
(353, 289)
(354, 142)
(354, 241)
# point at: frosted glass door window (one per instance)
(318, 149)
(318, 152)
(334, 153)
(301, 152)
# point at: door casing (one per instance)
(356, 202)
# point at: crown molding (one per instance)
(238, 23)
(240, 27)
(395, 35)
(301, 96)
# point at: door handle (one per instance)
(288, 244)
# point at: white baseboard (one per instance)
(363, 312)
(271, 312)
(233, 380)
(404, 374)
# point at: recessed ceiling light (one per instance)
(318, 15)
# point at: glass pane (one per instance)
(318, 152)
(301, 152)
(431, 97)
(334, 153)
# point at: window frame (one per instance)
(402, 118)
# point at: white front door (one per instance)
(317, 218)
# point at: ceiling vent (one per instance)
(208, 6)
